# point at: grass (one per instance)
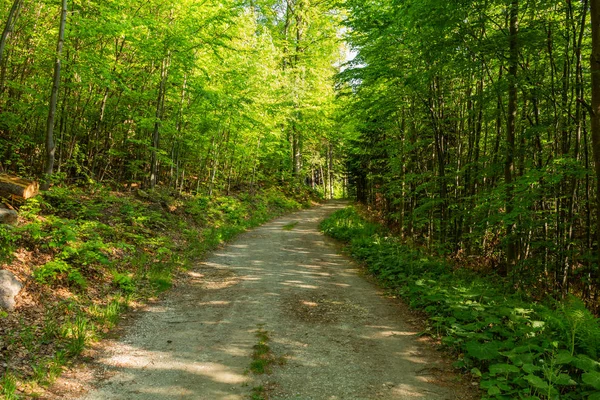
(262, 362)
(262, 358)
(8, 386)
(88, 255)
(258, 393)
(290, 226)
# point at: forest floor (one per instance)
(279, 313)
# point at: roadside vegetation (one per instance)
(519, 345)
(86, 256)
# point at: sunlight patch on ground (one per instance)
(391, 333)
(412, 357)
(406, 391)
(344, 285)
(299, 285)
(215, 303)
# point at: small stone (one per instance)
(9, 289)
(9, 217)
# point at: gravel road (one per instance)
(340, 337)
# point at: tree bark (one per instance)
(595, 117)
(50, 145)
(10, 23)
(15, 186)
(509, 166)
(160, 101)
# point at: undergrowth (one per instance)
(86, 255)
(520, 349)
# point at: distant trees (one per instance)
(475, 132)
(199, 96)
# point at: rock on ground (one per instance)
(8, 217)
(9, 289)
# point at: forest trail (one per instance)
(340, 337)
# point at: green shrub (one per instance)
(124, 282)
(53, 270)
(8, 239)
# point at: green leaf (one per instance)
(563, 357)
(538, 324)
(494, 390)
(564, 380)
(585, 363)
(594, 396)
(592, 378)
(530, 368)
(483, 351)
(503, 369)
(476, 372)
(537, 382)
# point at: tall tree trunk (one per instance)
(160, 103)
(509, 166)
(10, 23)
(595, 117)
(330, 173)
(50, 145)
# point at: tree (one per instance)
(8, 27)
(50, 142)
(511, 121)
(473, 135)
(595, 112)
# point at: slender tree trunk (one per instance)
(50, 145)
(10, 23)
(595, 117)
(159, 115)
(509, 166)
(330, 173)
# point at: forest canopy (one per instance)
(194, 95)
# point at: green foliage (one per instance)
(8, 238)
(8, 386)
(231, 93)
(258, 393)
(290, 226)
(53, 270)
(108, 315)
(262, 357)
(429, 148)
(124, 282)
(347, 224)
(76, 334)
(516, 346)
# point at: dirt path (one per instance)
(341, 338)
